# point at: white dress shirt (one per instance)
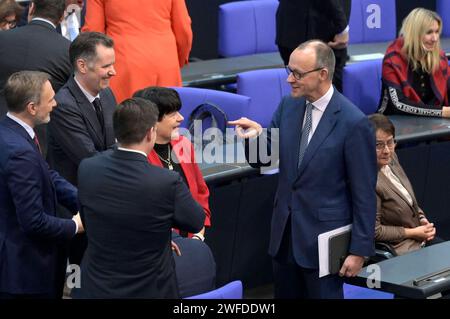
(318, 109)
(130, 150)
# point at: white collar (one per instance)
(322, 102)
(131, 150)
(88, 95)
(28, 128)
(45, 20)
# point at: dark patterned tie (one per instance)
(305, 133)
(36, 141)
(99, 112)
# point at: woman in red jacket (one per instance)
(152, 41)
(176, 152)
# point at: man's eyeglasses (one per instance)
(299, 75)
(11, 23)
(381, 145)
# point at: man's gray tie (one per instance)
(305, 133)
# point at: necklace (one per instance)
(168, 161)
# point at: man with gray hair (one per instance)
(327, 176)
(31, 263)
(81, 126)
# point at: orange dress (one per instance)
(152, 41)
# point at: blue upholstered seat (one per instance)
(247, 27)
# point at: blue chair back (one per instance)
(234, 105)
(232, 290)
(247, 27)
(372, 21)
(361, 83)
(355, 292)
(443, 9)
(265, 89)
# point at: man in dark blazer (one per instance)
(78, 129)
(129, 208)
(36, 47)
(81, 126)
(30, 232)
(300, 20)
(327, 176)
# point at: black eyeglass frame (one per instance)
(298, 75)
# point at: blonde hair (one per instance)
(414, 26)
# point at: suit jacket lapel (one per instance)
(295, 123)
(387, 184)
(16, 127)
(324, 128)
(395, 169)
(87, 109)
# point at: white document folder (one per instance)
(324, 251)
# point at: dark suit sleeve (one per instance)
(25, 182)
(361, 166)
(189, 215)
(65, 192)
(335, 11)
(68, 128)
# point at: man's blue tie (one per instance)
(305, 133)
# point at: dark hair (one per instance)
(52, 10)
(10, 7)
(85, 46)
(382, 122)
(324, 55)
(24, 87)
(132, 119)
(166, 99)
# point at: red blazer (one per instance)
(184, 150)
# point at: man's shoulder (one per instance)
(65, 96)
(98, 158)
(349, 110)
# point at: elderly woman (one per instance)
(415, 69)
(400, 222)
(10, 12)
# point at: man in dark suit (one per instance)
(327, 176)
(36, 47)
(300, 20)
(129, 207)
(81, 126)
(30, 232)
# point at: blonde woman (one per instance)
(415, 69)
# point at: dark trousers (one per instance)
(292, 281)
(341, 59)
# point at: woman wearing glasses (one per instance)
(10, 11)
(415, 69)
(400, 222)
